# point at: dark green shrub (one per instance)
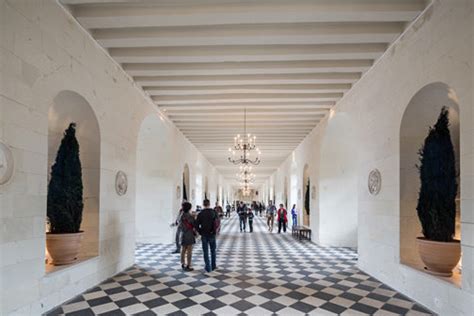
(437, 198)
(65, 204)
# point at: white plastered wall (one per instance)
(438, 47)
(43, 51)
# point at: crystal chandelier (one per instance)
(246, 175)
(246, 190)
(245, 145)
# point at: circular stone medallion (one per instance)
(6, 163)
(121, 183)
(374, 182)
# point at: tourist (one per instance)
(177, 223)
(227, 210)
(207, 224)
(242, 211)
(188, 237)
(250, 218)
(271, 209)
(282, 218)
(294, 215)
(218, 210)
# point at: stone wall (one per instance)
(437, 47)
(43, 52)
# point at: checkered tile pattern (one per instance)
(258, 273)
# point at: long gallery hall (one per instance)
(236, 157)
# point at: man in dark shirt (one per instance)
(242, 211)
(207, 224)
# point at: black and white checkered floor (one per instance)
(258, 274)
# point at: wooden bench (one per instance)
(301, 232)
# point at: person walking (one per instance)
(250, 216)
(294, 216)
(271, 209)
(177, 224)
(227, 210)
(242, 211)
(219, 210)
(282, 218)
(207, 224)
(188, 238)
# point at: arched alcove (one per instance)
(68, 107)
(185, 194)
(422, 112)
(155, 182)
(206, 188)
(294, 188)
(337, 183)
(305, 198)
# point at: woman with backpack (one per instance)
(188, 238)
(282, 218)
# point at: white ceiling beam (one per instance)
(253, 118)
(249, 126)
(246, 98)
(264, 130)
(250, 106)
(216, 89)
(245, 53)
(250, 34)
(232, 68)
(237, 112)
(146, 14)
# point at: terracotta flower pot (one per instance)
(63, 248)
(439, 257)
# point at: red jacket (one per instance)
(282, 214)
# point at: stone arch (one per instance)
(67, 107)
(185, 184)
(422, 112)
(206, 188)
(305, 192)
(338, 183)
(156, 190)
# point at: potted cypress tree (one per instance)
(65, 203)
(436, 208)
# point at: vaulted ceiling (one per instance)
(286, 61)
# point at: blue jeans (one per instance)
(243, 222)
(294, 220)
(209, 242)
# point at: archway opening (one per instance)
(338, 183)
(155, 186)
(185, 184)
(70, 107)
(306, 191)
(206, 188)
(422, 112)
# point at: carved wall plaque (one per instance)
(374, 182)
(121, 183)
(6, 163)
